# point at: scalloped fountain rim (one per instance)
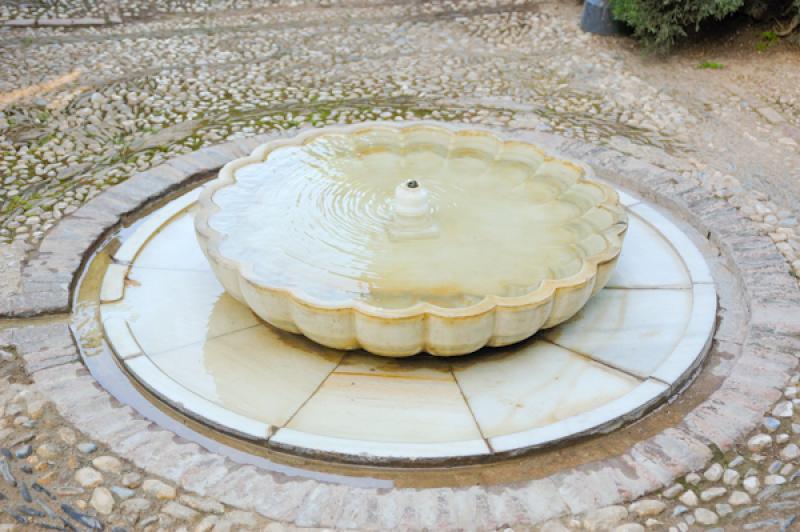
(210, 239)
(227, 178)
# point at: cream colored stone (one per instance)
(158, 489)
(107, 464)
(730, 477)
(67, 435)
(178, 511)
(647, 507)
(689, 498)
(705, 517)
(739, 498)
(712, 493)
(88, 477)
(629, 527)
(759, 442)
(202, 504)
(604, 518)
(752, 485)
(102, 500)
(207, 523)
(48, 451)
(131, 480)
(713, 473)
(790, 452)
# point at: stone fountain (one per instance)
(404, 239)
(399, 240)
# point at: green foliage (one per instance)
(769, 36)
(712, 65)
(766, 40)
(659, 23)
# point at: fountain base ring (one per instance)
(177, 333)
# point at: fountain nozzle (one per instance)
(412, 213)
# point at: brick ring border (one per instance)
(764, 329)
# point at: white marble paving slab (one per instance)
(512, 390)
(175, 247)
(120, 338)
(626, 199)
(617, 411)
(634, 330)
(380, 449)
(363, 401)
(695, 263)
(113, 286)
(149, 226)
(171, 392)
(695, 340)
(258, 372)
(648, 260)
(169, 309)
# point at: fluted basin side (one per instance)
(296, 232)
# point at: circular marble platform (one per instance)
(177, 332)
(748, 364)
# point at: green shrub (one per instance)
(658, 24)
(766, 39)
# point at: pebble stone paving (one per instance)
(93, 92)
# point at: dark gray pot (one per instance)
(597, 18)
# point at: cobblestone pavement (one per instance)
(93, 92)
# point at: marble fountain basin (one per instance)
(401, 239)
(175, 331)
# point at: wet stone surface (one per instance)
(57, 486)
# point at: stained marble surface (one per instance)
(170, 391)
(632, 330)
(691, 256)
(641, 397)
(364, 400)
(209, 356)
(645, 262)
(113, 286)
(295, 439)
(695, 338)
(258, 371)
(535, 385)
(167, 309)
(122, 339)
(148, 227)
(172, 250)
